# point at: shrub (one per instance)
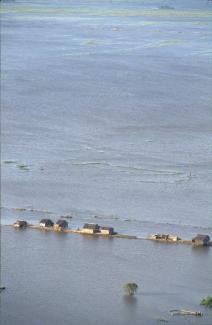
(130, 288)
(207, 302)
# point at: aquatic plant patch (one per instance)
(23, 167)
(164, 43)
(9, 162)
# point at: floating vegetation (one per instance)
(91, 43)
(14, 162)
(164, 43)
(23, 167)
(8, 162)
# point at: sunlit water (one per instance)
(106, 116)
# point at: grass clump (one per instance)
(207, 302)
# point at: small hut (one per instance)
(201, 240)
(164, 237)
(20, 224)
(107, 231)
(159, 237)
(46, 223)
(90, 228)
(173, 238)
(61, 225)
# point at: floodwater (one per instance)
(106, 117)
(56, 278)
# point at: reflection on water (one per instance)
(200, 250)
(130, 301)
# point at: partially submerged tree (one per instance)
(207, 302)
(130, 288)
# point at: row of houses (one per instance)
(93, 228)
(88, 228)
(60, 225)
(198, 240)
(44, 223)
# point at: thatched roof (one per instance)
(47, 221)
(200, 237)
(62, 223)
(107, 228)
(91, 226)
(161, 236)
(21, 222)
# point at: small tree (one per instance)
(130, 288)
(207, 302)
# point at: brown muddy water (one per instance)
(106, 117)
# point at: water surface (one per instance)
(106, 116)
(72, 279)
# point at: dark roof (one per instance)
(62, 223)
(201, 237)
(46, 221)
(162, 236)
(91, 226)
(21, 222)
(107, 228)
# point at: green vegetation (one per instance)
(9, 162)
(23, 167)
(162, 44)
(130, 288)
(14, 162)
(207, 302)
